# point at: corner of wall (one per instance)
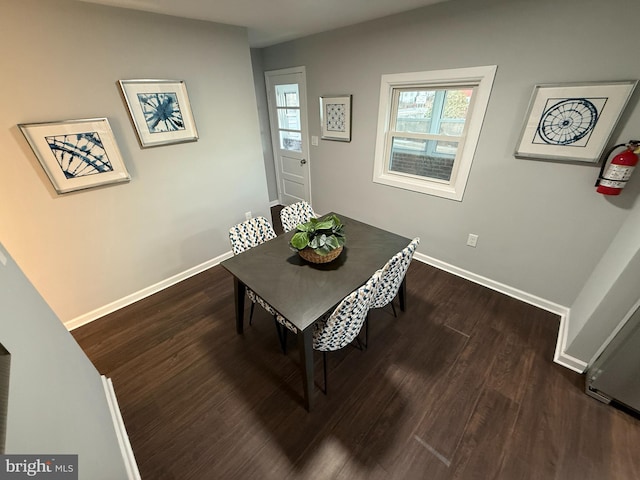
(561, 357)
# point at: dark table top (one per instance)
(302, 292)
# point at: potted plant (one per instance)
(319, 241)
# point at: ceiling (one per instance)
(274, 21)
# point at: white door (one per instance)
(287, 100)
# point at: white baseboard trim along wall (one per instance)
(144, 293)
(123, 439)
(560, 357)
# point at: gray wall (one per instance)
(62, 60)
(57, 404)
(265, 128)
(542, 227)
(609, 294)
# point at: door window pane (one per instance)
(425, 158)
(291, 141)
(289, 119)
(287, 95)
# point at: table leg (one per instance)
(402, 293)
(305, 343)
(239, 290)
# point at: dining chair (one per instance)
(293, 215)
(244, 236)
(343, 325)
(393, 273)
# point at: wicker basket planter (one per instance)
(312, 257)
(322, 235)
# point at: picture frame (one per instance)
(160, 111)
(335, 117)
(573, 121)
(77, 154)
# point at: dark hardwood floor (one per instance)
(460, 386)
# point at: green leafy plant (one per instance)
(323, 236)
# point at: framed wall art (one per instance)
(76, 154)
(335, 117)
(572, 122)
(160, 111)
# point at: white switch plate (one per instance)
(247, 215)
(314, 140)
(472, 240)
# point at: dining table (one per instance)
(304, 292)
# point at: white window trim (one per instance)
(482, 80)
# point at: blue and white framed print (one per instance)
(160, 111)
(335, 117)
(572, 122)
(76, 154)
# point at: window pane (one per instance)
(289, 119)
(291, 141)
(415, 111)
(454, 111)
(287, 95)
(426, 158)
(440, 112)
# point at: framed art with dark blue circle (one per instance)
(76, 154)
(572, 122)
(160, 111)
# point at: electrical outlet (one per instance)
(472, 240)
(247, 215)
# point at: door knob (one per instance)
(303, 161)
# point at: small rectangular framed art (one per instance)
(160, 111)
(76, 154)
(572, 122)
(335, 117)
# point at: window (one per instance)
(288, 107)
(428, 127)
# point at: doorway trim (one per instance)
(269, 76)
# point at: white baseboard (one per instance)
(145, 292)
(560, 357)
(493, 285)
(121, 432)
(273, 203)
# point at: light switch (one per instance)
(314, 140)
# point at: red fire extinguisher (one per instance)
(620, 169)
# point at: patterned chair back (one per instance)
(293, 215)
(250, 233)
(343, 325)
(392, 275)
